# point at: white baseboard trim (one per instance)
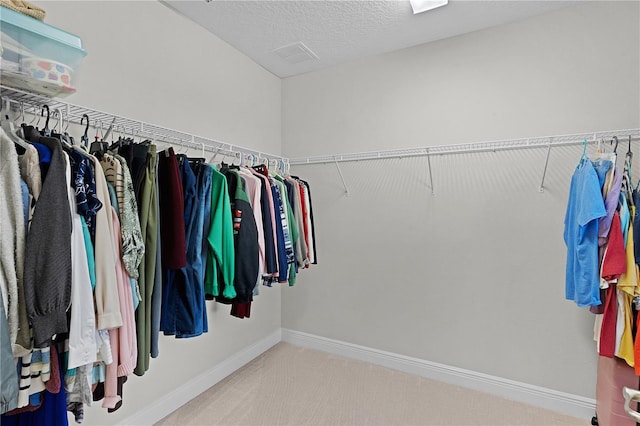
(185, 393)
(550, 399)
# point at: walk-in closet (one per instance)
(319, 212)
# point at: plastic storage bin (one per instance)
(37, 57)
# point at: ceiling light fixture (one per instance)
(420, 6)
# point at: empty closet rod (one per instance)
(493, 146)
(73, 113)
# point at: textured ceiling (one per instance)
(345, 30)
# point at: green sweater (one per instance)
(219, 275)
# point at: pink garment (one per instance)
(124, 345)
(305, 223)
(613, 375)
(106, 300)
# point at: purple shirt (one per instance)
(610, 204)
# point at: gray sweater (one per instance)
(47, 265)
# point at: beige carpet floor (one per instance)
(290, 385)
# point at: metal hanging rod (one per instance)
(501, 145)
(73, 113)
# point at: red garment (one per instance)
(173, 239)
(241, 310)
(609, 319)
(54, 382)
(614, 263)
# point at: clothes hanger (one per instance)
(34, 117)
(84, 139)
(600, 152)
(20, 116)
(181, 152)
(19, 127)
(602, 155)
(247, 159)
(46, 131)
(57, 113)
(117, 144)
(627, 159)
(615, 139)
(99, 146)
(7, 125)
(197, 160)
(110, 129)
(236, 156)
(100, 135)
(250, 162)
(583, 157)
(66, 134)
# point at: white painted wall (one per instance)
(149, 63)
(472, 276)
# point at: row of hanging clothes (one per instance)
(602, 235)
(106, 245)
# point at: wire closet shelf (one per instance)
(491, 146)
(108, 122)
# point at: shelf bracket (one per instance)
(544, 172)
(346, 190)
(430, 172)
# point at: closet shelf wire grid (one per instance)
(73, 113)
(493, 146)
(463, 148)
(103, 120)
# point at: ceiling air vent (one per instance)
(295, 53)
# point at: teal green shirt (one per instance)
(220, 268)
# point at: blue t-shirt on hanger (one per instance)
(581, 236)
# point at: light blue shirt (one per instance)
(585, 206)
(91, 259)
(602, 168)
(625, 216)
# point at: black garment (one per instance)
(135, 155)
(245, 240)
